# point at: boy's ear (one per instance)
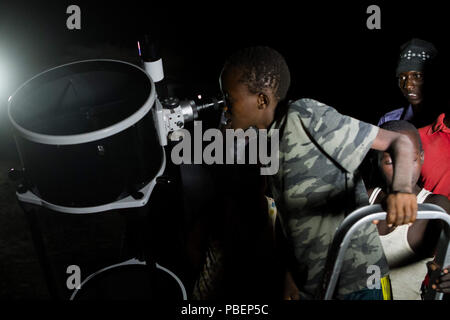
(263, 100)
(422, 156)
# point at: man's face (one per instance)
(386, 166)
(241, 104)
(411, 85)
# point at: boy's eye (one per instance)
(416, 76)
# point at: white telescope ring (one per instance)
(89, 136)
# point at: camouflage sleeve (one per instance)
(346, 140)
(311, 192)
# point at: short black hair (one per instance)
(262, 67)
(403, 125)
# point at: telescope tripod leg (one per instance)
(138, 243)
(133, 238)
(148, 251)
(42, 254)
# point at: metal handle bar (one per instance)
(367, 214)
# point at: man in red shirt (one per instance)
(435, 174)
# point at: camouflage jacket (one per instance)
(317, 185)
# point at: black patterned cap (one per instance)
(416, 54)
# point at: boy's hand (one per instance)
(442, 283)
(401, 208)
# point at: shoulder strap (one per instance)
(422, 196)
(374, 195)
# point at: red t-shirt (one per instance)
(435, 175)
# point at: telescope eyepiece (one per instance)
(211, 103)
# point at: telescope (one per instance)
(91, 137)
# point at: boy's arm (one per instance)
(401, 203)
(423, 235)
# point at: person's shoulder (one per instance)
(380, 194)
(440, 200)
(311, 112)
(394, 114)
(307, 105)
(423, 131)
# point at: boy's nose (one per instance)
(409, 83)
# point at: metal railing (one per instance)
(367, 214)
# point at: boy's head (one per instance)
(253, 81)
(384, 159)
(416, 58)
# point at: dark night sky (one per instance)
(333, 57)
